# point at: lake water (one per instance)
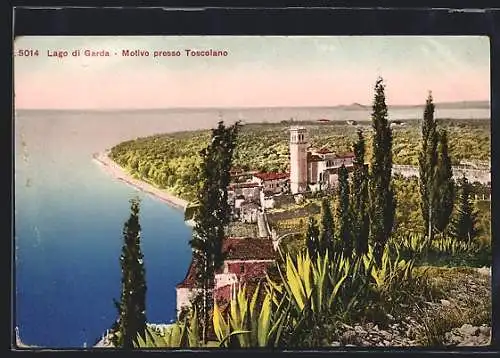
(69, 216)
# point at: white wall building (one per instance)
(275, 183)
(314, 168)
(298, 160)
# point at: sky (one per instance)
(259, 71)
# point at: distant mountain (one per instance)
(442, 105)
(355, 107)
(347, 107)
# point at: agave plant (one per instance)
(221, 327)
(315, 289)
(414, 244)
(174, 336)
(249, 325)
(354, 287)
(177, 335)
(304, 283)
(389, 271)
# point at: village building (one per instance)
(249, 190)
(313, 169)
(274, 183)
(247, 261)
(248, 212)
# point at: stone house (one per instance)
(272, 182)
(248, 212)
(248, 260)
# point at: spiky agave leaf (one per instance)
(238, 315)
(193, 330)
(294, 283)
(221, 328)
(264, 323)
(225, 340)
(253, 316)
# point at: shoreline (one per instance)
(118, 173)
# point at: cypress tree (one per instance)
(428, 161)
(464, 227)
(382, 200)
(326, 238)
(132, 306)
(312, 238)
(359, 198)
(444, 184)
(343, 211)
(213, 213)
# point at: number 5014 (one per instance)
(29, 52)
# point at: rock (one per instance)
(445, 303)
(485, 330)
(347, 326)
(386, 334)
(360, 330)
(468, 329)
(335, 344)
(484, 271)
(348, 337)
(390, 317)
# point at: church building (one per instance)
(311, 168)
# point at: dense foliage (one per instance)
(171, 161)
(445, 185)
(213, 213)
(336, 276)
(427, 163)
(345, 232)
(382, 202)
(313, 246)
(359, 198)
(435, 175)
(132, 306)
(327, 233)
(464, 226)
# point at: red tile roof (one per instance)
(190, 279)
(243, 185)
(324, 150)
(272, 176)
(237, 248)
(313, 158)
(346, 155)
(248, 248)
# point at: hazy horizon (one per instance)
(367, 106)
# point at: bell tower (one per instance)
(298, 160)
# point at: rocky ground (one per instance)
(460, 315)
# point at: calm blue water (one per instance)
(69, 216)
